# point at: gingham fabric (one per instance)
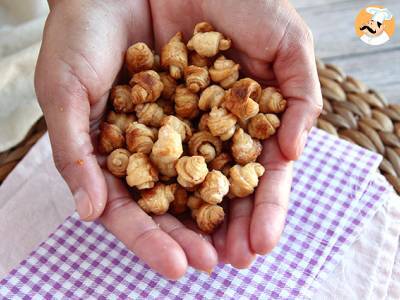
(332, 197)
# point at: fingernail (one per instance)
(83, 204)
(302, 142)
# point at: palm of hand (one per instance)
(93, 59)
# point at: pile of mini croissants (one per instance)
(186, 132)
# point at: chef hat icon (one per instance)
(379, 14)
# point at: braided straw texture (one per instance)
(351, 111)
(362, 116)
(9, 159)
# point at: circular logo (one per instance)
(374, 25)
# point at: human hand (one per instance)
(274, 46)
(82, 52)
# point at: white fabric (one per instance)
(365, 271)
(14, 12)
(19, 47)
(26, 221)
(394, 285)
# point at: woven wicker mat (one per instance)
(351, 110)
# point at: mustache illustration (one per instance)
(368, 28)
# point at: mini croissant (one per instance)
(222, 162)
(224, 71)
(271, 101)
(166, 150)
(120, 119)
(185, 103)
(122, 99)
(208, 152)
(262, 126)
(179, 205)
(169, 85)
(203, 123)
(213, 96)
(243, 124)
(139, 58)
(214, 187)
(166, 105)
(174, 56)
(181, 127)
(192, 170)
(196, 78)
(140, 138)
(245, 149)
(242, 98)
(150, 114)
(187, 131)
(207, 42)
(205, 144)
(194, 202)
(208, 216)
(117, 162)
(198, 60)
(157, 65)
(146, 87)
(157, 199)
(243, 179)
(111, 137)
(140, 172)
(221, 123)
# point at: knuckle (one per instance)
(143, 238)
(67, 163)
(116, 204)
(277, 206)
(61, 162)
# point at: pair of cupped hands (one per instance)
(82, 53)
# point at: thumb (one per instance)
(296, 72)
(65, 103)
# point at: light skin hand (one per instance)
(274, 46)
(82, 52)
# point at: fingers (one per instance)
(296, 123)
(132, 226)
(72, 80)
(296, 73)
(66, 108)
(238, 249)
(199, 252)
(271, 200)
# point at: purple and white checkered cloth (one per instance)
(332, 197)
